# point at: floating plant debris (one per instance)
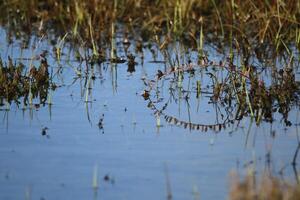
(101, 123)
(44, 132)
(146, 94)
(131, 63)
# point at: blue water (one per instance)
(135, 153)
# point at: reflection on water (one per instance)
(231, 92)
(99, 116)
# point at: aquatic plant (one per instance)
(17, 85)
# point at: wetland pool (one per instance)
(106, 135)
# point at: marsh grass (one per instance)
(249, 26)
(265, 187)
(16, 84)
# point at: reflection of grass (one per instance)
(248, 24)
(267, 188)
(240, 90)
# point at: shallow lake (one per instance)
(109, 134)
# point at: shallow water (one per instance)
(138, 156)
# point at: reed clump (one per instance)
(16, 84)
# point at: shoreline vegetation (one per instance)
(250, 27)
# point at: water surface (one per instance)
(138, 154)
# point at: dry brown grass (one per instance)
(263, 188)
(247, 25)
